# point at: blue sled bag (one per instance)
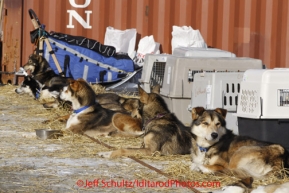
(80, 57)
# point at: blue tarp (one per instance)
(79, 62)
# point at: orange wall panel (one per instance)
(249, 28)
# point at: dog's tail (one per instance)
(118, 133)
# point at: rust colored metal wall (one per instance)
(250, 28)
(12, 39)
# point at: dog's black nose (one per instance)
(214, 135)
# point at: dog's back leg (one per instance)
(258, 161)
(125, 134)
(61, 119)
(126, 126)
(150, 146)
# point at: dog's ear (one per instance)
(156, 89)
(70, 81)
(221, 111)
(81, 80)
(196, 112)
(74, 85)
(143, 95)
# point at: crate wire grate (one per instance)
(157, 73)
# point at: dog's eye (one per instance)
(218, 124)
(205, 123)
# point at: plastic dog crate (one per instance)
(179, 78)
(154, 66)
(218, 90)
(263, 110)
(153, 70)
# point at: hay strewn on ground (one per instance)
(76, 146)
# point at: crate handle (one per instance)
(282, 121)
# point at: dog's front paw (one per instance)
(105, 154)
(194, 167)
(112, 154)
(204, 169)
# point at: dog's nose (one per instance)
(214, 135)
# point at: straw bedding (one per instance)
(21, 115)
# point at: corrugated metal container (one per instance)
(248, 28)
(11, 39)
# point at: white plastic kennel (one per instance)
(154, 64)
(263, 108)
(218, 90)
(264, 94)
(153, 70)
(179, 78)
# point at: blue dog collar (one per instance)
(203, 149)
(80, 109)
(37, 94)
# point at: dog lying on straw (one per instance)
(90, 118)
(163, 132)
(217, 149)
